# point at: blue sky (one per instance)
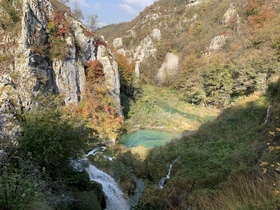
(113, 11)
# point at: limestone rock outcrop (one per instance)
(30, 69)
(145, 49)
(231, 17)
(169, 68)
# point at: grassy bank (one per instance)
(229, 163)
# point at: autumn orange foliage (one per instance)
(94, 71)
(61, 26)
(97, 106)
(126, 70)
(89, 34)
(258, 13)
(99, 42)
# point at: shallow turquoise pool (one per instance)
(147, 138)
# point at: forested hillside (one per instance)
(225, 49)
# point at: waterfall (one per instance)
(96, 151)
(99, 150)
(164, 179)
(267, 114)
(114, 196)
(115, 199)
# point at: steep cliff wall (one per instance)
(48, 51)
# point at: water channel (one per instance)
(148, 138)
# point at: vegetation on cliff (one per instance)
(97, 106)
(35, 169)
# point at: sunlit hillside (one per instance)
(226, 49)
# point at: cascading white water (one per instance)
(114, 196)
(164, 179)
(267, 114)
(115, 199)
(99, 150)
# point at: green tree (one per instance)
(17, 191)
(218, 83)
(76, 10)
(51, 140)
(91, 21)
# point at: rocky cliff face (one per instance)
(149, 36)
(33, 62)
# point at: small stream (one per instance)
(163, 180)
(133, 200)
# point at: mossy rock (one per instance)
(88, 200)
(39, 203)
(97, 188)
